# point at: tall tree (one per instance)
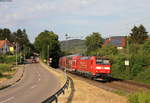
(5, 34)
(21, 38)
(93, 42)
(138, 35)
(47, 44)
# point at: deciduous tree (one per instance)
(93, 42)
(47, 44)
(138, 35)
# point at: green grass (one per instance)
(10, 59)
(143, 77)
(6, 63)
(5, 68)
(7, 59)
(119, 92)
(139, 97)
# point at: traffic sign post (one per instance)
(126, 62)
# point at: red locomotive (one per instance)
(91, 66)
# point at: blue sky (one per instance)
(77, 18)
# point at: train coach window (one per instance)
(99, 61)
(102, 61)
(84, 58)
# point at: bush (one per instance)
(10, 59)
(143, 76)
(140, 97)
(7, 59)
(119, 70)
(4, 68)
(146, 47)
(2, 58)
(133, 48)
(136, 68)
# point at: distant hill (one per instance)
(73, 46)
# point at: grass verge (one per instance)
(119, 92)
(81, 92)
(6, 71)
(139, 97)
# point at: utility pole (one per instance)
(127, 62)
(48, 54)
(66, 35)
(24, 59)
(16, 53)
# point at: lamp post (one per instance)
(16, 49)
(16, 53)
(66, 35)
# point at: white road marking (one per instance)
(37, 72)
(39, 79)
(39, 75)
(33, 86)
(7, 100)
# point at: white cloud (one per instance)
(28, 9)
(74, 12)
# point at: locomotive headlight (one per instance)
(107, 67)
(98, 68)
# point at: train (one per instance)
(91, 66)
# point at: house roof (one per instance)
(148, 38)
(116, 41)
(3, 42)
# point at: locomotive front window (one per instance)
(99, 61)
(102, 61)
(106, 62)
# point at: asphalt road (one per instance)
(36, 85)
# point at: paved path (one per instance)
(36, 85)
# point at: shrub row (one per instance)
(140, 97)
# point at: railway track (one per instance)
(115, 85)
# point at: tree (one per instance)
(21, 38)
(93, 42)
(5, 34)
(146, 47)
(138, 35)
(47, 44)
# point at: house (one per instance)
(118, 41)
(148, 39)
(6, 46)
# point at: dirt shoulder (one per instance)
(81, 92)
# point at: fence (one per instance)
(55, 96)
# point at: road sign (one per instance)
(126, 62)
